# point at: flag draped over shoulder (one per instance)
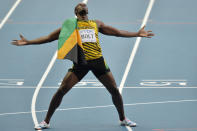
(69, 42)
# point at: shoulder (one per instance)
(99, 23)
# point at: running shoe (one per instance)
(42, 125)
(127, 122)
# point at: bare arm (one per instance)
(108, 30)
(51, 37)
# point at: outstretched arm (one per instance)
(108, 30)
(51, 37)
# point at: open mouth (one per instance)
(83, 12)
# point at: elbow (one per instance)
(118, 34)
(50, 38)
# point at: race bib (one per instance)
(87, 35)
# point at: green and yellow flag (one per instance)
(69, 42)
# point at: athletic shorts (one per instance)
(97, 66)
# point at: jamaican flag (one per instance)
(69, 43)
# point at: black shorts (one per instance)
(97, 66)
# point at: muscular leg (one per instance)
(108, 81)
(68, 82)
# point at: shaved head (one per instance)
(81, 7)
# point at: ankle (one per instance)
(46, 121)
(122, 119)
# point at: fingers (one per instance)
(143, 27)
(151, 34)
(21, 36)
(14, 40)
(19, 42)
(148, 35)
(14, 43)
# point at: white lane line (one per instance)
(130, 62)
(151, 2)
(12, 79)
(165, 80)
(129, 128)
(93, 87)
(9, 13)
(154, 87)
(33, 107)
(105, 106)
(85, 1)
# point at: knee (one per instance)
(115, 92)
(59, 93)
(64, 89)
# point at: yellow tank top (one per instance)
(89, 34)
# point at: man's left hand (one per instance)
(143, 33)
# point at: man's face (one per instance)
(81, 9)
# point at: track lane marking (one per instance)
(94, 87)
(33, 105)
(104, 106)
(9, 13)
(136, 45)
(147, 14)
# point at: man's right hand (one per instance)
(20, 42)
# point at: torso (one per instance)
(90, 41)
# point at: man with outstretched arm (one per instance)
(88, 30)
